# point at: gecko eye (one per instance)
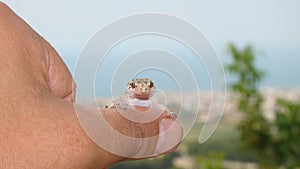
(132, 85)
(150, 84)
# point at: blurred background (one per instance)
(257, 41)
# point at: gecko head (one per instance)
(141, 88)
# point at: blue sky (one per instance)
(273, 26)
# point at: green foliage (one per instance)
(275, 144)
(225, 140)
(287, 132)
(212, 160)
(254, 128)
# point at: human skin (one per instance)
(38, 124)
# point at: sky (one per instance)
(272, 26)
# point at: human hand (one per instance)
(38, 124)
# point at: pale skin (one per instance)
(38, 124)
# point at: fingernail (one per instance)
(170, 135)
